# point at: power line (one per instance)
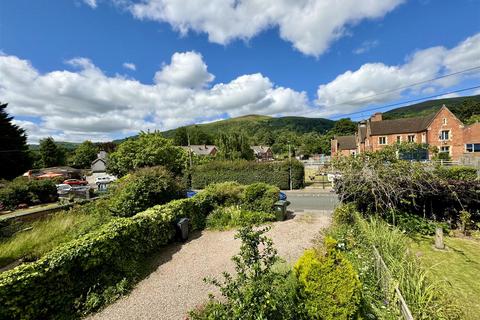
(404, 102)
(399, 88)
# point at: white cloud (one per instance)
(91, 3)
(354, 89)
(310, 25)
(87, 104)
(129, 66)
(186, 69)
(366, 46)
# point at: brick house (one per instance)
(344, 145)
(441, 129)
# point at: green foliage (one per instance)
(465, 221)
(426, 297)
(71, 278)
(223, 218)
(84, 154)
(50, 154)
(234, 146)
(474, 118)
(30, 192)
(14, 155)
(329, 285)
(257, 291)
(260, 197)
(344, 127)
(149, 149)
(413, 224)
(143, 189)
(245, 172)
(343, 215)
(228, 193)
(41, 236)
(462, 107)
(456, 173)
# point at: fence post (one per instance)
(439, 239)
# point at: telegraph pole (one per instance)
(290, 166)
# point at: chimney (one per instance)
(362, 123)
(376, 117)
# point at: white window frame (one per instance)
(442, 138)
(474, 149)
(449, 149)
(386, 140)
(411, 135)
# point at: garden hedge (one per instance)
(62, 283)
(248, 172)
(22, 190)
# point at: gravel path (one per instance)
(176, 286)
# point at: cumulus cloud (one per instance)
(87, 104)
(366, 85)
(186, 69)
(310, 25)
(129, 66)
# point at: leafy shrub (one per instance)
(376, 184)
(344, 214)
(257, 291)
(23, 190)
(260, 197)
(234, 216)
(329, 285)
(228, 193)
(413, 224)
(147, 150)
(248, 172)
(143, 189)
(77, 275)
(457, 173)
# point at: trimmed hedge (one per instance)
(64, 282)
(22, 190)
(457, 173)
(248, 172)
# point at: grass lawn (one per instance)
(43, 235)
(459, 267)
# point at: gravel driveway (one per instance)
(176, 286)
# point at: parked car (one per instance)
(75, 182)
(63, 188)
(105, 179)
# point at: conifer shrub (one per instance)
(329, 284)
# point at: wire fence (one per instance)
(389, 287)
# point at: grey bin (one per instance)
(182, 228)
(280, 208)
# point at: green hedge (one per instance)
(64, 282)
(22, 190)
(457, 173)
(248, 172)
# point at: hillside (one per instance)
(252, 124)
(462, 107)
(66, 145)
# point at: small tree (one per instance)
(84, 154)
(234, 147)
(148, 150)
(50, 154)
(14, 155)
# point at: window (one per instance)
(472, 147)
(444, 120)
(411, 138)
(382, 140)
(445, 149)
(399, 139)
(445, 135)
(424, 138)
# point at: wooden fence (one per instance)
(386, 283)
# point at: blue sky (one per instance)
(106, 69)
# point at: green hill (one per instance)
(462, 107)
(256, 124)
